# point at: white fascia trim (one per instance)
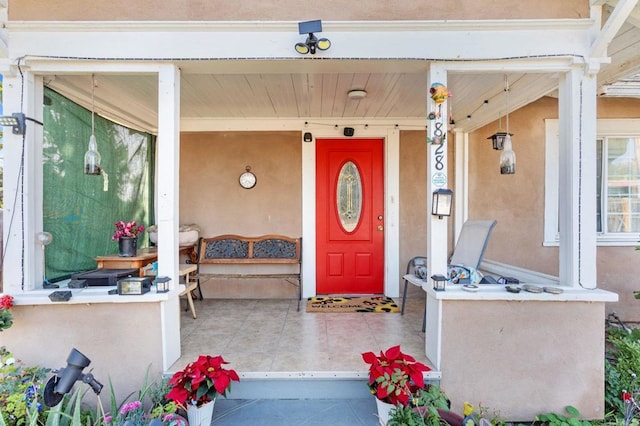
(327, 26)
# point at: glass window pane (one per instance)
(349, 196)
(623, 167)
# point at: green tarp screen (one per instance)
(80, 210)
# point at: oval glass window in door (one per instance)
(349, 196)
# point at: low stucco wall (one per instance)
(524, 358)
(121, 340)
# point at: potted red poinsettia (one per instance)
(196, 387)
(394, 377)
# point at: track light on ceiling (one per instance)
(312, 42)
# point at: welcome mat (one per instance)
(352, 304)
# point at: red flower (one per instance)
(6, 302)
(626, 396)
(394, 376)
(201, 381)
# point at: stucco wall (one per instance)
(292, 10)
(210, 196)
(512, 356)
(121, 340)
(517, 201)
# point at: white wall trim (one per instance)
(605, 127)
(391, 137)
(490, 267)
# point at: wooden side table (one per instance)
(142, 258)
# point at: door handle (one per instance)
(380, 227)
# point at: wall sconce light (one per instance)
(307, 137)
(15, 120)
(162, 284)
(439, 282)
(312, 42)
(92, 156)
(441, 202)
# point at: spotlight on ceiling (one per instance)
(312, 42)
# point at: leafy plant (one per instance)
(20, 389)
(622, 365)
(426, 408)
(393, 375)
(201, 381)
(554, 419)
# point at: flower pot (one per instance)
(383, 411)
(128, 246)
(200, 416)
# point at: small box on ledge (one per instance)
(439, 282)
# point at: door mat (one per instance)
(352, 304)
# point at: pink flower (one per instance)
(130, 406)
(126, 229)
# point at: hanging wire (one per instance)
(93, 88)
(506, 89)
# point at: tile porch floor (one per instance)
(270, 337)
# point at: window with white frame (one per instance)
(618, 185)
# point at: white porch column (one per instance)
(22, 92)
(167, 194)
(437, 236)
(577, 180)
(437, 229)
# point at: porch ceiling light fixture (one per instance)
(92, 156)
(441, 202)
(312, 42)
(357, 94)
(15, 120)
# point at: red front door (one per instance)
(349, 216)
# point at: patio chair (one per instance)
(467, 253)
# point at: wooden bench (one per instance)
(238, 250)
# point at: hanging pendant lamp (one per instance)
(92, 156)
(507, 156)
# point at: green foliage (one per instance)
(554, 419)
(20, 391)
(423, 410)
(621, 368)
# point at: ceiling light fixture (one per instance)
(312, 42)
(357, 94)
